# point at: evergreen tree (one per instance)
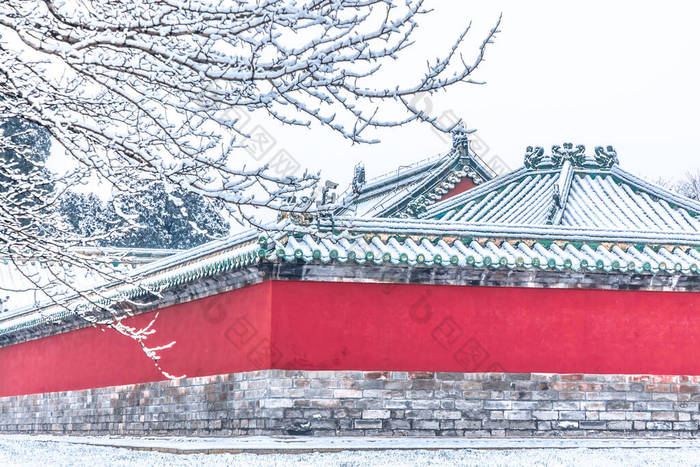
(27, 134)
(87, 215)
(163, 223)
(24, 147)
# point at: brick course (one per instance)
(282, 402)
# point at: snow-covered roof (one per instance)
(562, 213)
(409, 243)
(19, 280)
(466, 251)
(569, 188)
(177, 268)
(406, 191)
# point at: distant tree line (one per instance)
(690, 185)
(179, 220)
(162, 223)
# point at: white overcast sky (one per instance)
(624, 74)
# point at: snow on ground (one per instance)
(27, 451)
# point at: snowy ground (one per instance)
(15, 450)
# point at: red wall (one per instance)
(95, 357)
(353, 326)
(449, 328)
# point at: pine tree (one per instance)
(163, 223)
(23, 177)
(87, 216)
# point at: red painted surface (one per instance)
(448, 328)
(353, 326)
(94, 357)
(463, 185)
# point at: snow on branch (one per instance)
(139, 93)
(143, 87)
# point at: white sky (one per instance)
(596, 73)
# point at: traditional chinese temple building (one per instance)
(560, 299)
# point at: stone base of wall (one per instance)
(356, 403)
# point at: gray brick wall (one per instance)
(276, 402)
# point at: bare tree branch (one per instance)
(138, 93)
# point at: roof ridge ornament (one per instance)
(534, 157)
(603, 159)
(358, 178)
(460, 140)
(606, 158)
(577, 156)
(556, 204)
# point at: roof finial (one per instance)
(575, 155)
(358, 179)
(460, 142)
(606, 158)
(328, 195)
(534, 157)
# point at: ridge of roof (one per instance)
(218, 256)
(389, 180)
(125, 254)
(657, 190)
(206, 249)
(176, 259)
(26, 282)
(404, 171)
(443, 178)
